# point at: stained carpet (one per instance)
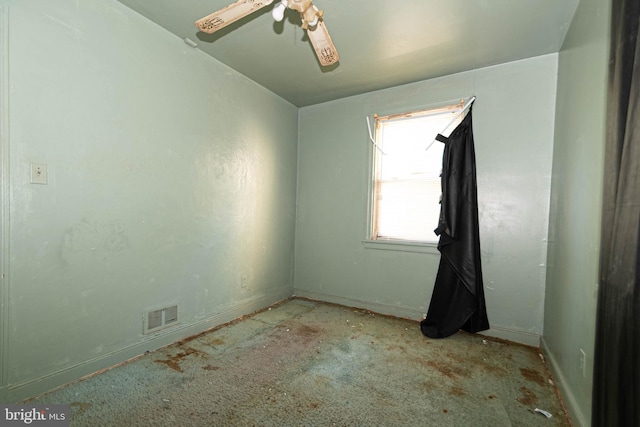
(306, 363)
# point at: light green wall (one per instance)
(171, 180)
(513, 126)
(576, 197)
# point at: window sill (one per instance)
(402, 245)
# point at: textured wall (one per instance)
(576, 198)
(171, 180)
(513, 126)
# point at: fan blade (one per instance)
(322, 44)
(230, 14)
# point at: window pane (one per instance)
(409, 209)
(404, 144)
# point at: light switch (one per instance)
(39, 173)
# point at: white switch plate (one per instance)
(39, 173)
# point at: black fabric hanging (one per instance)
(457, 301)
(616, 375)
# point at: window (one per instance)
(407, 167)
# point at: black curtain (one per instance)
(616, 381)
(457, 301)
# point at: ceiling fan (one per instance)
(311, 21)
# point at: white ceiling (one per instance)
(381, 43)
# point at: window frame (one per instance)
(370, 241)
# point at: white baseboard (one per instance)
(575, 412)
(526, 338)
(19, 392)
(391, 310)
(404, 312)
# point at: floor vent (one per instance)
(160, 318)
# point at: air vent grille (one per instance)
(154, 319)
(171, 314)
(160, 318)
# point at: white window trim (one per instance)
(401, 245)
